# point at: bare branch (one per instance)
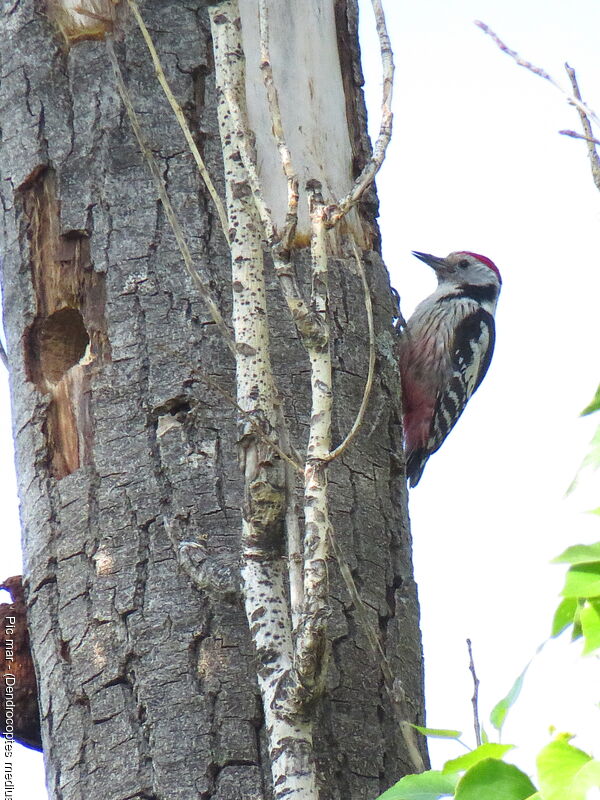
(308, 324)
(475, 698)
(367, 176)
(310, 646)
(180, 116)
(3, 356)
(575, 135)
(371, 370)
(272, 95)
(200, 282)
(571, 98)
(310, 649)
(585, 112)
(277, 123)
(514, 55)
(267, 481)
(587, 128)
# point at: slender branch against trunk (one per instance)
(297, 687)
(373, 165)
(310, 651)
(180, 116)
(263, 570)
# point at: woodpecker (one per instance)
(445, 351)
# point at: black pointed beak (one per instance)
(435, 262)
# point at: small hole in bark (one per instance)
(62, 342)
(177, 407)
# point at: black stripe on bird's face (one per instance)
(481, 294)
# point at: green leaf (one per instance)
(579, 554)
(494, 780)
(438, 733)
(501, 709)
(594, 405)
(583, 580)
(429, 785)
(564, 615)
(469, 760)
(590, 626)
(587, 778)
(559, 765)
(577, 632)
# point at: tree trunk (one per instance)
(148, 685)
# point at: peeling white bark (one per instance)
(306, 71)
(82, 19)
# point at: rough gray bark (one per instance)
(147, 685)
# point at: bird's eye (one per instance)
(463, 264)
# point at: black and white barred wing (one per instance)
(472, 351)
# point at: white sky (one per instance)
(477, 164)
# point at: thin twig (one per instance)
(180, 116)
(575, 135)
(272, 94)
(307, 323)
(537, 71)
(587, 128)
(285, 154)
(392, 686)
(200, 282)
(371, 370)
(475, 698)
(249, 418)
(3, 356)
(514, 55)
(373, 165)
